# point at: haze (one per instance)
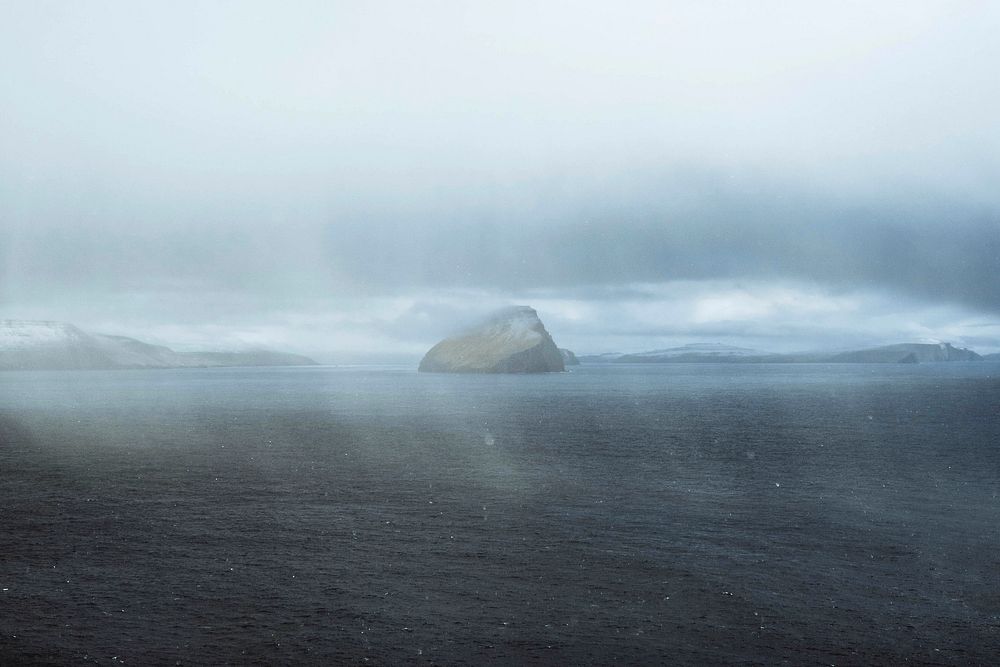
(353, 180)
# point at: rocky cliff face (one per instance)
(513, 340)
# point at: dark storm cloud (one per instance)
(598, 243)
(930, 250)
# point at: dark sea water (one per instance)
(675, 514)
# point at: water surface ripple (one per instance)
(805, 514)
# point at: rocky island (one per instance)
(512, 340)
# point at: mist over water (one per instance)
(248, 182)
(349, 181)
(689, 513)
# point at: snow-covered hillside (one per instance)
(27, 334)
(703, 350)
(31, 344)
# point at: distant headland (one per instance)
(902, 353)
(46, 345)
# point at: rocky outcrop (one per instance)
(512, 340)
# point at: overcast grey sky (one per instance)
(356, 178)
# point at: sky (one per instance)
(355, 180)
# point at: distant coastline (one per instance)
(903, 353)
(49, 345)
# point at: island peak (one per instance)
(510, 340)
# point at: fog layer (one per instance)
(354, 179)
